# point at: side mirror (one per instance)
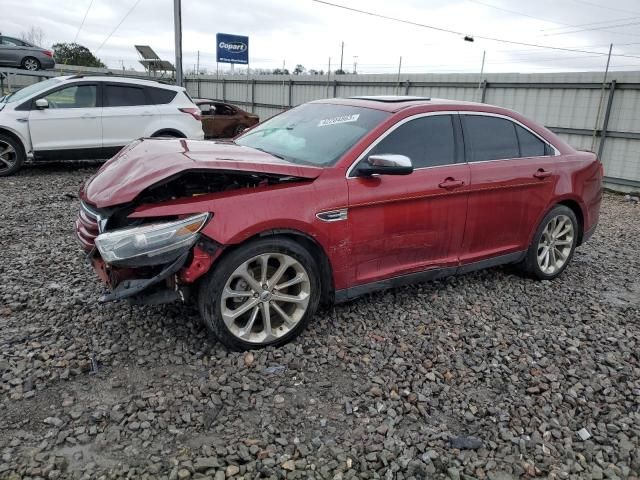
(385, 164)
(205, 108)
(42, 103)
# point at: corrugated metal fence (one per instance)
(567, 103)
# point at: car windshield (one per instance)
(30, 90)
(313, 133)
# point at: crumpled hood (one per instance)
(149, 161)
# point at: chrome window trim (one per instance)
(556, 152)
(388, 132)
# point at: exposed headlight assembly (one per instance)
(153, 244)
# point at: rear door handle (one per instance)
(87, 115)
(450, 183)
(147, 114)
(541, 173)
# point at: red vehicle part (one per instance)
(447, 219)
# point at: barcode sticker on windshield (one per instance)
(340, 119)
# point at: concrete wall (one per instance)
(567, 103)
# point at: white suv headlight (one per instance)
(152, 244)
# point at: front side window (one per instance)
(222, 109)
(76, 96)
(123, 96)
(489, 138)
(31, 90)
(313, 133)
(427, 141)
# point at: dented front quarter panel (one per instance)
(244, 213)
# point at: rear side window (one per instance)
(530, 145)
(123, 96)
(427, 141)
(160, 96)
(489, 138)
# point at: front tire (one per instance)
(553, 244)
(262, 294)
(12, 155)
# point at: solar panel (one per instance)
(146, 52)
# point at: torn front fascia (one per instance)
(132, 287)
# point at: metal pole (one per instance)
(604, 84)
(605, 122)
(198, 64)
(355, 64)
(283, 88)
(217, 79)
(479, 92)
(341, 56)
(399, 68)
(177, 30)
(328, 76)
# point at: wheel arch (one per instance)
(15, 136)
(574, 205)
(310, 243)
(169, 132)
(578, 211)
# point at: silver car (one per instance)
(21, 54)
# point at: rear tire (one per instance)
(12, 155)
(30, 63)
(261, 294)
(553, 244)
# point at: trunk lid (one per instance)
(147, 162)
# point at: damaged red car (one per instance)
(331, 200)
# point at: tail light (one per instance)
(193, 111)
(48, 53)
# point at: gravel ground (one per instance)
(489, 375)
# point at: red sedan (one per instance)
(331, 200)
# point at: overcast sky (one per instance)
(306, 32)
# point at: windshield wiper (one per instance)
(270, 153)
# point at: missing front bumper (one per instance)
(133, 289)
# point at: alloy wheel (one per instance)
(555, 245)
(265, 297)
(8, 156)
(31, 64)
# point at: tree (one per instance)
(299, 69)
(312, 71)
(35, 36)
(340, 72)
(74, 54)
(280, 71)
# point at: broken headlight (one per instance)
(152, 244)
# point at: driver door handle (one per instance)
(88, 115)
(542, 173)
(450, 183)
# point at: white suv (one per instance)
(80, 116)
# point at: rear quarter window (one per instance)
(161, 96)
(124, 96)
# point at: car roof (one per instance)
(205, 100)
(395, 103)
(120, 79)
